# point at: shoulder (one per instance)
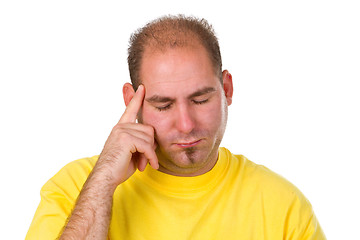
(260, 181)
(58, 197)
(71, 178)
(275, 198)
(79, 167)
(272, 198)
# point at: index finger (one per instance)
(134, 106)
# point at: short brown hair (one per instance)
(169, 32)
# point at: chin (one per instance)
(187, 160)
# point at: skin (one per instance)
(128, 147)
(187, 106)
(181, 110)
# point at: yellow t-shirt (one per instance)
(237, 199)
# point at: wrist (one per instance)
(102, 181)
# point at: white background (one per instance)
(296, 72)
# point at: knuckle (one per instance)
(117, 127)
(149, 130)
(124, 137)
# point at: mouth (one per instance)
(188, 144)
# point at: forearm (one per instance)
(91, 216)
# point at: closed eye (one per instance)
(200, 102)
(163, 108)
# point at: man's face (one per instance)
(186, 105)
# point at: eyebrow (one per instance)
(202, 92)
(159, 99)
(162, 99)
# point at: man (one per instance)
(175, 118)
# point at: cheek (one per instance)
(155, 119)
(213, 122)
(213, 115)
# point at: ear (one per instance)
(228, 86)
(128, 93)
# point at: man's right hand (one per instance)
(130, 145)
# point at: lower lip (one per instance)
(186, 145)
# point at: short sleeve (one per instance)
(58, 197)
(301, 222)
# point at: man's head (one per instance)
(172, 32)
(185, 99)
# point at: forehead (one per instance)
(177, 69)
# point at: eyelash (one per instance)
(200, 102)
(163, 108)
(168, 106)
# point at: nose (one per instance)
(185, 119)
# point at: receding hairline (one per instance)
(172, 31)
(193, 45)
